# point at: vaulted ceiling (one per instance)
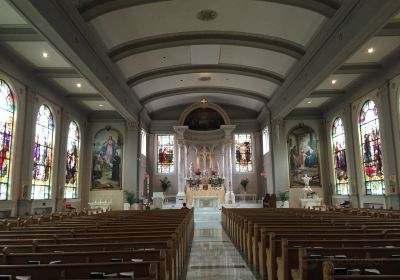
(147, 56)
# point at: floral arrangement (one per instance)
(197, 172)
(283, 196)
(244, 183)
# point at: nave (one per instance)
(212, 255)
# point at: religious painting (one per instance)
(204, 119)
(371, 149)
(243, 156)
(107, 160)
(303, 156)
(165, 148)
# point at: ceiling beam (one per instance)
(146, 44)
(85, 97)
(57, 72)
(353, 24)
(358, 68)
(390, 29)
(19, 33)
(328, 93)
(98, 8)
(61, 24)
(204, 68)
(188, 90)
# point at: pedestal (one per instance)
(229, 197)
(158, 200)
(180, 198)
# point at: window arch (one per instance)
(43, 154)
(72, 161)
(7, 114)
(371, 149)
(339, 156)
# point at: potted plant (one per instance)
(283, 196)
(244, 183)
(165, 184)
(129, 197)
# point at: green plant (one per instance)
(165, 183)
(244, 183)
(283, 196)
(129, 197)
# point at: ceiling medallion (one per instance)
(207, 15)
(204, 101)
(205, 78)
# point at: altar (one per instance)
(310, 202)
(193, 196)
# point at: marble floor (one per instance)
(213, 256)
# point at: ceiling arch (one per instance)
(95, 9)
(212, 68)
(224, 91)
(206, 38)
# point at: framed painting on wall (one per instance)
(303, 156)
(107, 160)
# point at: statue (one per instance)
(307, 189)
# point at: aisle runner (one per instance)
(213, 256)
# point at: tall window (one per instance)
(265, 135)
(143, 142)
(339, 155)
(165, 148)
(72, 164)
(243, 148)
(371, 149)
(43, 154)
(7, 110)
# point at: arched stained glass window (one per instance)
(72, 162)
(43, 154)
(165, 147)
(7, 110)
(371, 149)
(243, 150)
(339, 157)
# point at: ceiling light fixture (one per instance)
(370, 50)
(207, 15)
(45, 54)
(309, 102)
(78, 85)
(101, 105)
(205, 78)
(333, 82)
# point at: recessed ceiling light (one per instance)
(101, 105)
(333, 82)
(45, 54)
(181, 80)
(78, 85)
(309, 102)
(370, 50)
(226, 79)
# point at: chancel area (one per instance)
(214, 139)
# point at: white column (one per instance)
(223, 160)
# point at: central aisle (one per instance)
(213, 256)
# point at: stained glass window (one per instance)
(7, 109)
(265, 135)
(43, 154)
(72, 161)
(371, 149)
(339, 156)
(143, 142)
(243, 157)
(165, 148)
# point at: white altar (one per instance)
(101, 204)
(206, 201)
(310, 202)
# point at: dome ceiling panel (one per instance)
(189, 98)
(168, 17)
(8, 15)
(263, 87)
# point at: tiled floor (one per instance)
(213, 256)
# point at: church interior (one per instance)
(214, 139)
